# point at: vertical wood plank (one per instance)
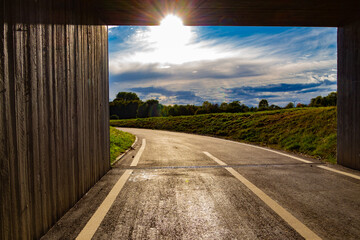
(51, 102)
(12, 209)
(5, 196)
(23, 121)
(71, 103)
(33, 133)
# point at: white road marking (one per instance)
(215, 159)
(340, 172)
(283, 213)
(95, 221)
(93, 224)
(269, 150)
(293, 157)
(138, 155)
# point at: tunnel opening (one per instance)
(177, 70)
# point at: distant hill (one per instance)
(310, 131)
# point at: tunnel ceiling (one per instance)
(231, 12)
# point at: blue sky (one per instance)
(189, 65)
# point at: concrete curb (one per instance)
(123, 155)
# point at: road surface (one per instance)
(183, 186)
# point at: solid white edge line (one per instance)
(138, 155)
(93, 224)
(282, 212)
(340, 172)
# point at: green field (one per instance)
(119, 142)
(310, 131)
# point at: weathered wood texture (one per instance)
(231, 12)
(331, 13)
(348, 145)
(54, 128)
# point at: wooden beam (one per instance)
(321, 13)
(330, 13)
(348, 144)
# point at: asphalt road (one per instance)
(183, 186)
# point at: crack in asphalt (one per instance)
(219, 166)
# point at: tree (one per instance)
(290, 105)
(234, 107)
(173, 110)
(316, 102)
(142, 110)
(124, 109)
(274, 107)
(329, 100)
(153, 108)
(150, 108)
(263, 104)
(300, 105)
(205, 108)
(127, 96)
(223, 107)
(125, 105)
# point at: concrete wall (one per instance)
(348, 145)
(54, 128)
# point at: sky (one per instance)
(176, 64)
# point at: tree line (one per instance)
(128, 105)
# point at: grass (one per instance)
(119, 142)
(309, 131)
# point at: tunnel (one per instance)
(54, 119)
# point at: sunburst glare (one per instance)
(171, 37)
(171, 33)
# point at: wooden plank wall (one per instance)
(348, 145)
(54, 128)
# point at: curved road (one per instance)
(183, 186)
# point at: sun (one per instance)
(171, 22)
(170, 43)
(171, 33)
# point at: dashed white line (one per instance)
(283, 213)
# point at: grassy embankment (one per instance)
(119, 142)
(310, 131)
